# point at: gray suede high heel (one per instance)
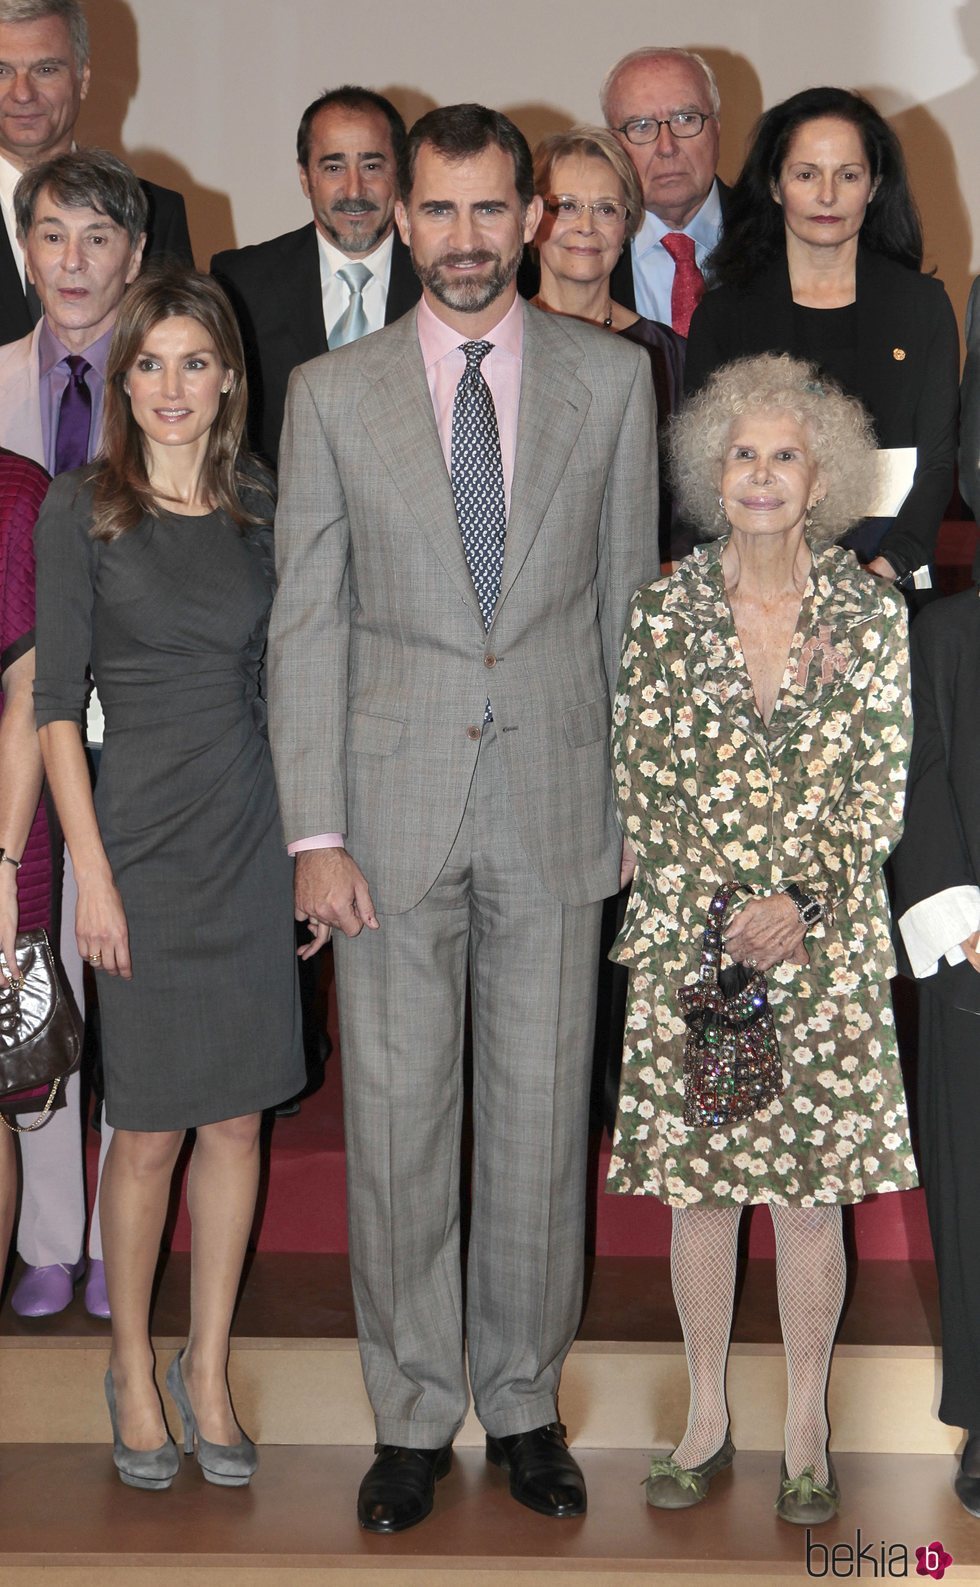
(140, 1468)
(228, 1465)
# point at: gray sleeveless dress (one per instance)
(172, 618)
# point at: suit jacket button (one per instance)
(489, 661)
(472, 732)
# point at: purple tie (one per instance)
(74, 418)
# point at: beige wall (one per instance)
(205, 95)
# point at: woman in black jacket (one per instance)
(821, 257)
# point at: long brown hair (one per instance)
(121, 486)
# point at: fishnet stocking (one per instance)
(810, 1275)
(703, 1251)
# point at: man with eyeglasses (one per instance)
(663, 106)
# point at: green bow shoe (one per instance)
(673, 1487)
(805, 1501)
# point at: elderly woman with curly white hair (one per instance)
(761, 735)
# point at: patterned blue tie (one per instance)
(477, 475)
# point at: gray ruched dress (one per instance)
(172, 618)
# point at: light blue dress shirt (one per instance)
(653, 268)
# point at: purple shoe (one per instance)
(43, 1291)
(96, 1295)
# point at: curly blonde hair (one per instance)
(839, 431)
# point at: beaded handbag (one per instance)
(731, 1063)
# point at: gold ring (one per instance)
(95, 958)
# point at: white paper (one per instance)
(894, 468)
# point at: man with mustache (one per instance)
(343, 274)
(466, 503)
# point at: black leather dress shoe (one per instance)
(399, 1488)
(966, 1485)
(543, 1475)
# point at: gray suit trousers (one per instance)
(402, 995)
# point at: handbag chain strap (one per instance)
(711, 938)
(28, 1129)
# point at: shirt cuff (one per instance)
(325, 840)
(936, 926)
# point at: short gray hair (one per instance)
(653, 52)
(69, 11)
(841, 440)
(84, 179)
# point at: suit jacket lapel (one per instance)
(554, 403)
(404, 287)
(397, 414)
(307, 294)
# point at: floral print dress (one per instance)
(706, 794)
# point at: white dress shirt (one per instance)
(336, 294)
(653, 268)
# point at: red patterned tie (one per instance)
(688, 288)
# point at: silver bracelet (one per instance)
(9, 859)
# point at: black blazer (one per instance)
(166, 233)
(274, 288)
(622, 288)
(940, 847)
(912, 399)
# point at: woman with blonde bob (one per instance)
(155, 571)
(593, 207)
(761, 734)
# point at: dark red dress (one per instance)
(23, 486)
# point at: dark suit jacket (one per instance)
(941, 844)
(621, 285)
(166, 233)
(274, 288)
(970, 406)
(912, 399)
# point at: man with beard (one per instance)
(466, 504)
(337, 278)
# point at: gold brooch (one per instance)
(898, 353)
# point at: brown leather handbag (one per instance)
(40, 1034)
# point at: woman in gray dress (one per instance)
(155, 570)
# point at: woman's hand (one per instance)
(8, 923)
(100, 927)
(320, 932)
(767, 931)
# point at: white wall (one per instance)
(205, 95)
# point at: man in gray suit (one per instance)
(467, 501)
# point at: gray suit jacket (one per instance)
(970, 406)
(379, 664)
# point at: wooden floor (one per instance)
(67, 1521)
(302, 1296)
(298, 1515)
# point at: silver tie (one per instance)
(353, 322)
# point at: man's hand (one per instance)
(767, 931)
(330, 889)
(627, 865)
(883, 568)
(971, 947)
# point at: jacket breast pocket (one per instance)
(585, 724)
(373, 735)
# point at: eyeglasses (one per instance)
(682, 123)
(604, 212)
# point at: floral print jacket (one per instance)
(707, 793)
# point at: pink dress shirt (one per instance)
(445, 361)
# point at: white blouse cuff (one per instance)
(935, 927)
